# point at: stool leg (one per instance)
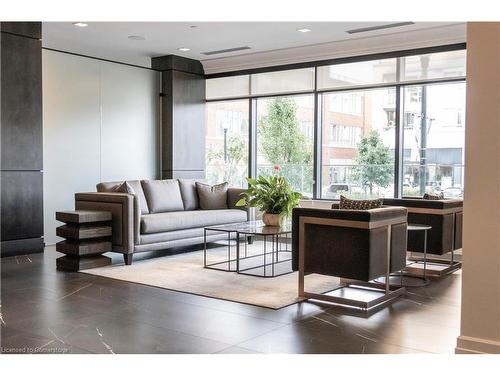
(388, 258)
(425, 255)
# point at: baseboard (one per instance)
(21, 247)
(475, 345)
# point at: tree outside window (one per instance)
(281, 142)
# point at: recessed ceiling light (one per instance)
(184, 49)
(136, 37)
(303, 30)
(80, 24)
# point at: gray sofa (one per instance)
(161, 214)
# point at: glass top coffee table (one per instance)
(270, 258)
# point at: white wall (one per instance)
(100, 123)
(480, 314)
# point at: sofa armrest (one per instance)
(233, 196)
(125, 215)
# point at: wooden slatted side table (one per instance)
(87, 236)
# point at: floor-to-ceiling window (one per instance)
(434, 134)
(285, 131)
(358, 137)
(227, 142)
(381, 127)
(358, 129)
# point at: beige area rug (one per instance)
(185, 273)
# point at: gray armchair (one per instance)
(445, 216)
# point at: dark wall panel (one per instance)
(21, 103)
(173, 62)
(22, 205)
(28, 29)
(182, 116)
(183, 121)
(189, 121)
(21, 138)
(167, 115)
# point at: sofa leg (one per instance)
(128, 259)
(250, 240)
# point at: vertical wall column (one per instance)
(21, 138)
(480, 318)
(182, 116)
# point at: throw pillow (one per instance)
(433, 197)
(212, 197)
(124, 188)
(359, 204)
(163, 195)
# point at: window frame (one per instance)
(317, 104)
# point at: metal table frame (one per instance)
(403, 273)
(276, 249)
(242, 233)
(229, 260)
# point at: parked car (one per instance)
(453, 192)
(334, 190)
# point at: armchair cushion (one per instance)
(424, 203)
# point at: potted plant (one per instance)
(273, 196)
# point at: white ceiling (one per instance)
(108, 40)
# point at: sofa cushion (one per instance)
(169, 221)
(212, 197)
(189, 194)
(109, 187)
(163, 195)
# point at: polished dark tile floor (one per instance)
(48, 311)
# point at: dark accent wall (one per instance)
(21, 138)
(182, 116)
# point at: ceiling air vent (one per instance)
(380, 27)
(225, 50)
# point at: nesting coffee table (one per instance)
(273, 259)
